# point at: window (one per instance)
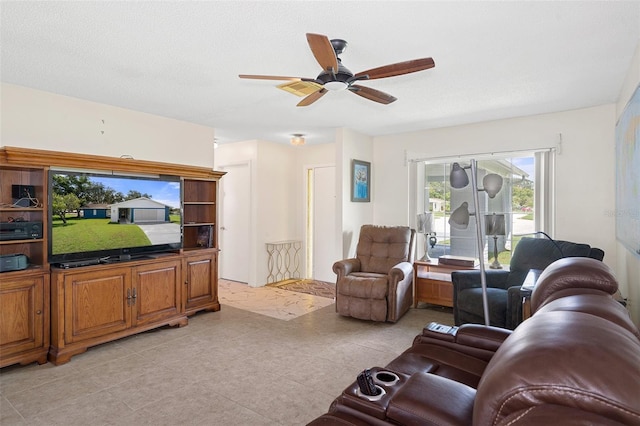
(525, 200)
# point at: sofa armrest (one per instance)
(478, 341)
(346, 266)
(429, 399)
(481, 336)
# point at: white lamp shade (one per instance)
(458, 177)
(492, 184)
(494, 224)
(459, 219)
(425, 222)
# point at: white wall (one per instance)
(628, 267)
(276, 215)
(41, 120)
(352, 145)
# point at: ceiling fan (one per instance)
(335, 76)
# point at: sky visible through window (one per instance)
(162, 191)
(526, 164)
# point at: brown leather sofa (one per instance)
(576, 361)
(377, 284)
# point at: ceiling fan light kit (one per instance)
(336, 77)
(297, 139)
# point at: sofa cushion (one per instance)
(593, 304)
(427, 399)
(368, 286)
(549, 414)
(470, 300)
(363, 296)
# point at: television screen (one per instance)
(109, 217)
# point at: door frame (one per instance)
(249, 250)
(308, 226)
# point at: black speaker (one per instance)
(23, 191)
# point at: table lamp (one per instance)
(425, 225)
(494, 225)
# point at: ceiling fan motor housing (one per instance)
(339, 45)
(342, 77)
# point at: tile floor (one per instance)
(232, 367)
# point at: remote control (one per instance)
(365, 382)
(441, 328)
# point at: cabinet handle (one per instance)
(135, 295)
(186, 282)
(38, 312)
(128, 297)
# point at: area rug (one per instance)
(273, 302)
(313, 287)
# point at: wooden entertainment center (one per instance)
(49, 313)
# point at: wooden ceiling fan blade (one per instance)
(372, 94)
(272, 77)
(312, 98)
(399, 68)
(323, 51)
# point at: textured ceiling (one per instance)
(181, 59)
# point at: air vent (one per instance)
(300, 88)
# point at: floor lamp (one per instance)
(459, 219)
(425, 225)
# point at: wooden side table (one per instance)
(432, 282)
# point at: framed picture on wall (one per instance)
(628, 175)
(360, 181)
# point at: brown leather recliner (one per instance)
(377, 284)
(576, 361)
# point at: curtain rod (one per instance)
(483, 154)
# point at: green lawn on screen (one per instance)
(95, 234)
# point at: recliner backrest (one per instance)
(380, 248)
(538, 253)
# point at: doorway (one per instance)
(235, 189)
(321, 222)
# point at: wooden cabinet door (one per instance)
(156, 292)
(22, 315)
(201, 282)
(96, 303)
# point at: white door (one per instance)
(234, 229)
(324, 223)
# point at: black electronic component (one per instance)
(365, 382)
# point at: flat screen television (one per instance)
(96, 217)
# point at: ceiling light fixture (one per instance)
(297, 139)
(335, 85)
